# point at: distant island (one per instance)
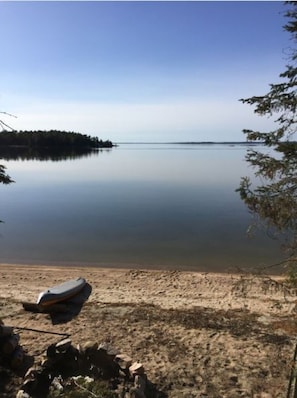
(52, 145)
(52, 139)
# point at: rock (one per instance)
(140, 382)
(138, 391)
(10, 344)
(22, 394)
(110, 350)
(124, 361)
(105, 362)
(32, 372)
(136, 368)
(63, 345)
(5, 330)
(17, 358)
(40, 385)
(87, 347)
(101, 361)
(51, 351)
(29, 385)
(57, 385)
(48, 362)
(84, 379)
(66, 362)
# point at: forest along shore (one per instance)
(195, 333)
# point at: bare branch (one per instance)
(4, 125)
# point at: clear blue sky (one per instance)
(140, 71)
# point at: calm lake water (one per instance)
(144, 205)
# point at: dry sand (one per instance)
(197, 334)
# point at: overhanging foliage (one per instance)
(274, 200)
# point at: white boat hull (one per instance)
(61, 292)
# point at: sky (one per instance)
(148, 71)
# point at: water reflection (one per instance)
(174, 208)
(46, 154)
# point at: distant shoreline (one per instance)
(194, 143)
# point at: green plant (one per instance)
(83, 388)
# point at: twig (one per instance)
(3, 125)
(9, 114)
(85, 389)
(42, 331)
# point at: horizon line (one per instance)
(189, 142)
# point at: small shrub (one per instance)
(83, 388)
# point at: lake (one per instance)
(136, 205)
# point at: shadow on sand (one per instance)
(64, 311)
(70, 308)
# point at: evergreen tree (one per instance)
(274, 200)
(4, 178)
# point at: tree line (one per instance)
(51, 139)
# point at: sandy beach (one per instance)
(197, 334)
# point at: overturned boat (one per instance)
(61, 292)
